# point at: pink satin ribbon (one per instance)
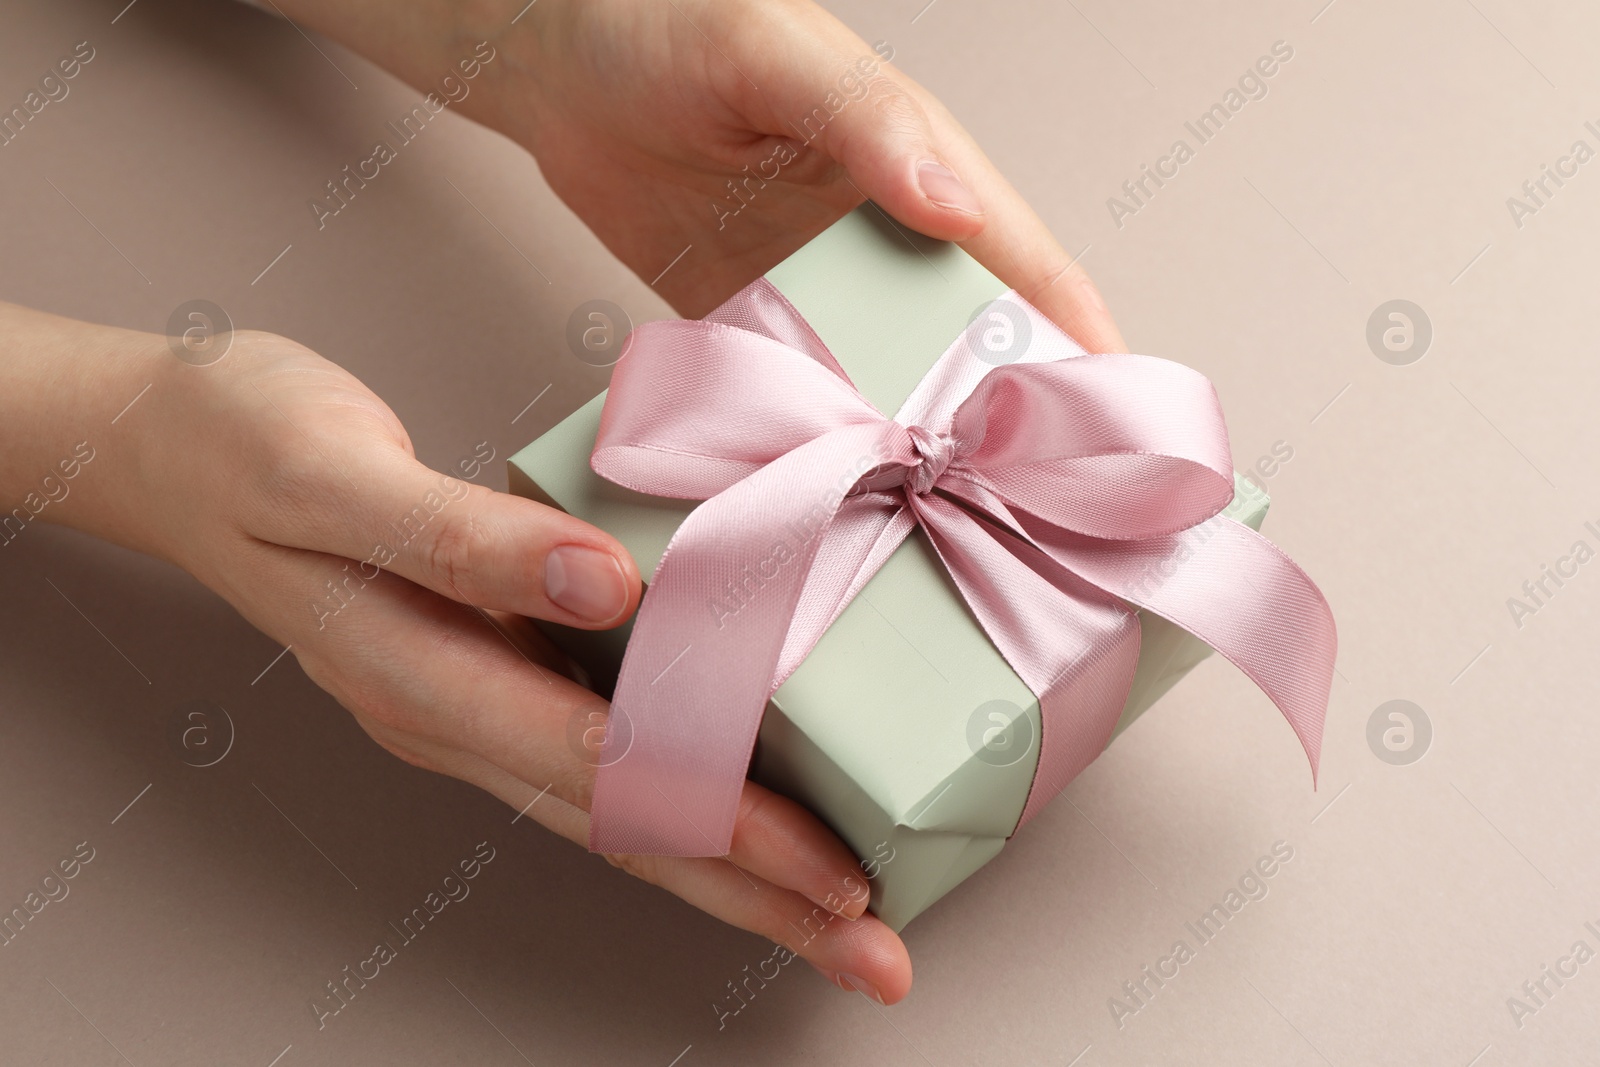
(1057, 490)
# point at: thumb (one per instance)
(854, 108)
(471, 544)
(903, 149)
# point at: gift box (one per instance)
(905, 730)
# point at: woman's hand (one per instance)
(736, 129)
(740, 129)
(289, 488)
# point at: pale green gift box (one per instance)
(904, 729)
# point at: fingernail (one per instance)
(586, 582)
(851, 984)
(940, 185)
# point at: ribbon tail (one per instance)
(1236, 591)
(862, 537)
(1074, 647)
(706, 643)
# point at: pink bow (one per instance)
(1056, 489)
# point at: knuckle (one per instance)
(458, 543)
(404, 726)
(1058, 272)
(383, 710)
(894, 109)
(887, 112)
(386, 712)
(405, 754)
(396, 745)
(1061, 291)
(392, 716)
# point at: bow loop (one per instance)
(696, 406)
(1114, 446)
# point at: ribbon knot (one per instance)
(933, 452)
(1086, 485)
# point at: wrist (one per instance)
(422, 42)
(481, 58)
(67, 390)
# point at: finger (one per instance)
(775, 841)
(430, 677)
(786, 877)
(380, 508)
(408, 658)
(829, 92)
(905, 151)
(888, 146)
(1017, 247)
(438, 685)
(780, 841)
(862, 955)
(551, 742)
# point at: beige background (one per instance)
(1419, 897)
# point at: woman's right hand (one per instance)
(288, 487)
